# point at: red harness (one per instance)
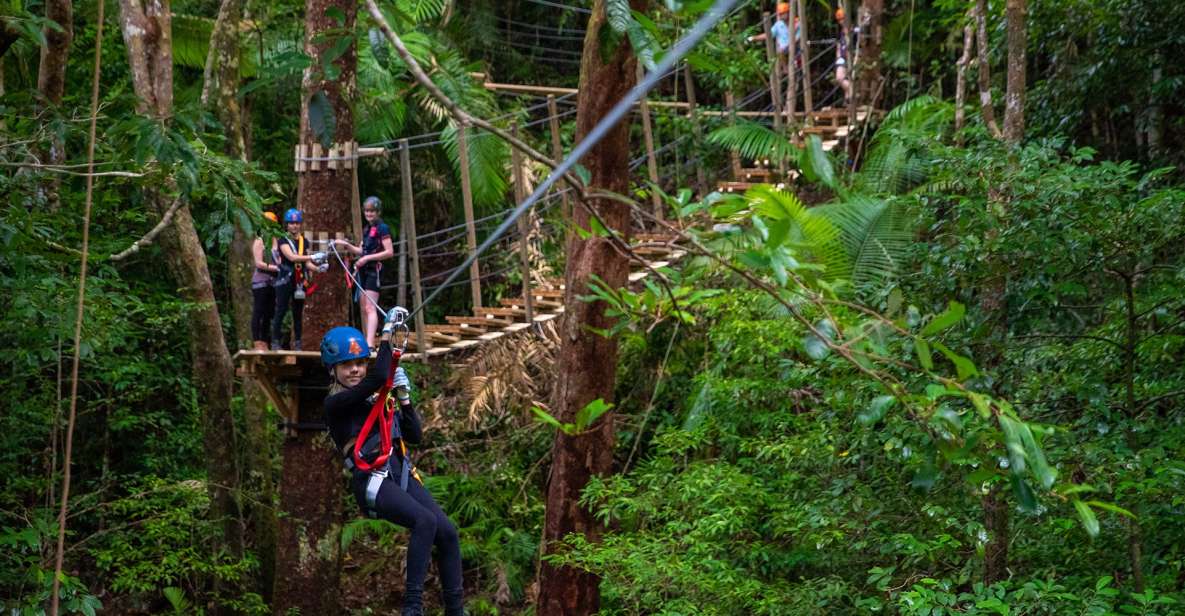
(383, 414)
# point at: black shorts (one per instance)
(368, 279)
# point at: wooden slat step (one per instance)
(734, 187)
(450, 329)
(539, 304)
(547, 293)
(482, 322)
(512, 313)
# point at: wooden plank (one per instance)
(315, 165)
(518, 301)
(477, 322)
(513, 313)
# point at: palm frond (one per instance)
(875, 233)
(420, 11)
(815, 235)
(191, 44)
(754, 141)
(488, 161)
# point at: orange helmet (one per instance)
(783, 7)
(270, 216)
(839, 14)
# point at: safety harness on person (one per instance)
(377, 440)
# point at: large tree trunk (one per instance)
(961, 74)
(308, 558)
(146, 28)
(51, 84)
(984, 68)
(1014, 99)
(588, 361)
(220, 93)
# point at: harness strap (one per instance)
(373, 483)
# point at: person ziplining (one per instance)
(842, 58)
(374, 248)
(371, 420)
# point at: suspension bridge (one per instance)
(424, 259)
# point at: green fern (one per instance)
(754, 142)
(876, 236)
(803, 230)
(191, 45)
(898, 153)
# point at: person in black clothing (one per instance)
(292, 258)
(375, 247)
(379, 493)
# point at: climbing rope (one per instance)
(78, 314)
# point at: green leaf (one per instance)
(337, 15)
(322, 121)
(589, 414)
(953, 314)
(546, 418)
(816, 166)
(876, 410)
(1089, 521)
(1024, 494)
(923, 351)
(619, 15)
(925, 477)
(816, 348)
(963, 366)
(1113, 508)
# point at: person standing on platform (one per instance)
(375, 247)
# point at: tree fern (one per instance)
(754, 142)
(898, 153)
(191, 45)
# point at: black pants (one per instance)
(263, 307)
(283, 301)
(416, 510)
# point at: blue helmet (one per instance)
(293, 215)
(343, 344)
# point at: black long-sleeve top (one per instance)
(346, 411)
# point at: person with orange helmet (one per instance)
(263, 291)
(780, 30)
(841, 54)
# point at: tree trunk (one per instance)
(220, 94)
(961, 74)
(995, 553)
(1014, 99)
(984, 67)
(872, 15)
(146, 31)
(51, 84)
(308, 559)
(588, 361)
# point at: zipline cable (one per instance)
(625, 105)
(78, 314)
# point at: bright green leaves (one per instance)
(1089, 521)
(953, 314)
(816, 166)
(1024, 453)
(585, 417)
(653, 304)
